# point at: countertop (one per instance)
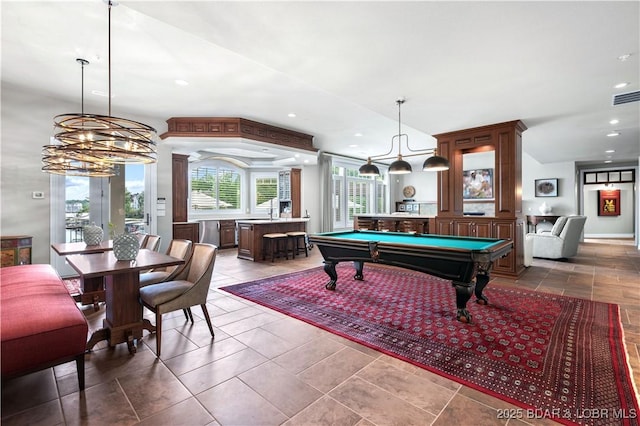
(275, 220)
(397, 216)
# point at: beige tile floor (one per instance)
(265, 368)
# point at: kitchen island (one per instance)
(250, 232)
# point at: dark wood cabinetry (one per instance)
(290, 191)
(246, 241)
(419, 225)
(227, 233)
(187, 231)
(503, 229)
(505, 139)
(180, 187)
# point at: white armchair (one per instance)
(559, 243)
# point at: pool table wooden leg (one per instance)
(330, 269)
(359, 265)
(481, 282)
(463, 294)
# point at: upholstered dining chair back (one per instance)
(152, 242)
(182, 249)
(173, 295)
(142, 239)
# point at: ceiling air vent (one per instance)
(625, 98)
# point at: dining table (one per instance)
(123, 320)
(91, 290)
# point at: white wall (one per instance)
(566, 201)
(425, 183)
(608, 226)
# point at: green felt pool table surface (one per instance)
(442, 241)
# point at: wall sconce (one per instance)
(435, 163)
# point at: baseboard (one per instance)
(609, 236)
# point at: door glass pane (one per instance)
(76, 207)
(134, 214)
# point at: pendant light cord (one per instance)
(82, 88)
(109, 57)
(399, 102)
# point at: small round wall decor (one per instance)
(408, 191)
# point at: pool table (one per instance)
(466, 261)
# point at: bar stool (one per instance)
(276, 243)
(296, 237)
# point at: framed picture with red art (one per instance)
(609, 202)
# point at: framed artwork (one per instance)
(609, 202)
(546, 187)
(477, 184)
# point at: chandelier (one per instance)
(434, 163)
(90, 144)
(69, 159)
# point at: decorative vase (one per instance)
(92, 234)
(545, 208)
(125, 246)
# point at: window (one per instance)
(215, 187)
(354, 195)
(265, 195)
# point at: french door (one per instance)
(77, 201)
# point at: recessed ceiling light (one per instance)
(614, 121)
(624, 57)
(621, 85)
(306, 161)
(291, 114)
(181, 82)
(358, 134)
(297, 155)
(353, 145)
(610, 151)
(608, 161)
(614, 133)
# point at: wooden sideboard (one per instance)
(16, 250)
(534, 220)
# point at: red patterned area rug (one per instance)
(72, 285)
(554, 356)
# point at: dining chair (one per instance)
(171, 296)
(182, 249)
(152, 242)
(142, 239)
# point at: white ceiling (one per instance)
(340, 66)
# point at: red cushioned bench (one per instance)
(41, 326)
